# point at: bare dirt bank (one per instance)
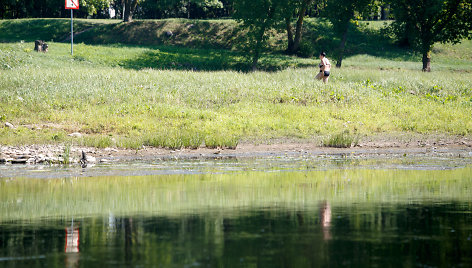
(452, 146)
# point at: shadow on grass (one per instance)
(200, 44)
(185, 59)
(170, 32)
(177, 58)
(361, 40)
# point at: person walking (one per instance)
(325, 67)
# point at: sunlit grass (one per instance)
(166, 96)
(342, 140)
(173, 108)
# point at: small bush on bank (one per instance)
(342, 140)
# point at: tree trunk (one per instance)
(128, 9)
(299, 29)
(385, 12)
(427, 61)
(289, 35)
(129, 238)
(342, 46)
(188, 9)
(257, 49)
(257, 53)
(255, 60)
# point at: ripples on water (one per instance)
(270, 212)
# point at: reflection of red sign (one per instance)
(72, 240)
(72, 4)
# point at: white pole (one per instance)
(71, 32)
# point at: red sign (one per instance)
(72, 4)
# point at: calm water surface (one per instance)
(334, 213)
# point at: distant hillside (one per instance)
(182, 32)
(366, 39)
(209, 34)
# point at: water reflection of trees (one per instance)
(294, 238)
(265, 237)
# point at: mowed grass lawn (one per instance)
(164, 96)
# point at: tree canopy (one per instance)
(341, 14)
(257, 17)
(425, 23)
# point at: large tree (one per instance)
(299, 8)
(341, 14)
(426, 22)
(257, 17)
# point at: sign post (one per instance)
(72, 4)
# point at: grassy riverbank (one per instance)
(166, 96)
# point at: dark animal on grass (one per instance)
(40, 46)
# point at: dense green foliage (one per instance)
(258, 17)
(147, 9)
(50, 8)
(341, 14)
(425, 23)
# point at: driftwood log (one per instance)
(40, 46)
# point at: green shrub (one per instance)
(130, 143)
(66, 154)
(57, 137)
(221, 141)
(174, 139)
(306, 49)
(342, 140)
(98, 141)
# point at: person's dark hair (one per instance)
(323, 54)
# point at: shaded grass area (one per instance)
(367, 43)
(170, 195)
(210, 34)
(207, 60)
(218, 37)
(29, 30)
(365, 39)
(216, 34)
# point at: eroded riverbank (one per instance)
(281, 157)
(451, 146)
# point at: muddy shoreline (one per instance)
(456, 146)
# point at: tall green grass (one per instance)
(172, 108)
(342, 140)
(130, 96)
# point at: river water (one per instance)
(253, 212)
